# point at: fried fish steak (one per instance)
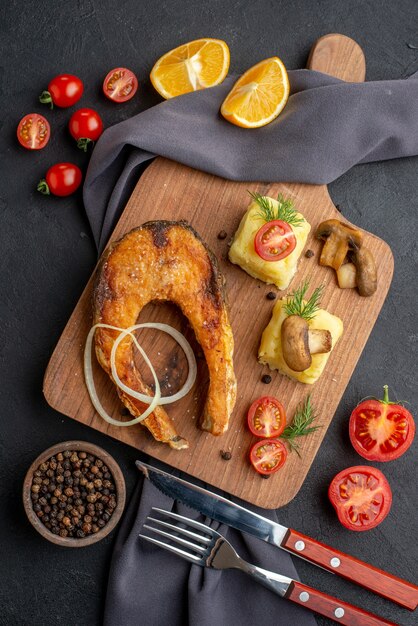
(159, 261)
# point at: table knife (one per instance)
(219, 508)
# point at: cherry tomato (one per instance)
(381, 430)
(63, 91)
(85, 127)
(62, 179)
(266, 417)
(120, 85)
(361, 496)
(275, 240)
(33, 131)
(267, 456)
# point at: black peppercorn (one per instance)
(222, 234)
(309, 254)
(271, 295)
(266, 379)
(227, 456)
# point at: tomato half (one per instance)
(120, 85)
(361, 496)
(275, 240)
(33, 131)
(62, 179)
(266, 417)
(267, 456)
(64, 90)
(85, 127)
(381, 430)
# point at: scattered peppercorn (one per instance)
(222, 234)
(271, 295)
(309, 254)
(265, 476)
(227, 456)
(266, 379)
(68, 485)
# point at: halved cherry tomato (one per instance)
(85, 126)
(62, 179)
(64, 90)
(120, 85)
(266, 417)
(267, 456)
(275, 240)
(361, 496)
(33, 131)
(381, 430)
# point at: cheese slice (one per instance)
(270, 351)
(242, 251)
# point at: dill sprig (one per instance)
(300, 425)
(295, 304)
(284, 211)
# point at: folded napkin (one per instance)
(149, 586)
(327, 126)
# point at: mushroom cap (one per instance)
(344, 231)
(295, 343)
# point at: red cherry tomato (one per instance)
(63, 91)
(266, 417)
(85, 126)
(267, 456)
(62, 179)
(361, 496)
(33, 131)
(120, 85)
(275, 240)
(381, 430)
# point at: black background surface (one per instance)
(47, 255)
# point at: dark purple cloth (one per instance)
(327, 126)
(151, 587)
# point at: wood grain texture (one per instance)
(340, 612)
(339, 56)
(390, 587)
(168, 190)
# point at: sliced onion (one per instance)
(184, 344)
(88, 374)
(153, 401)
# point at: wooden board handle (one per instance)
(330, 607)
(369, 577)
(338, 56)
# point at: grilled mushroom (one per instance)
(366, 274)
(299, 342)
(339, 239)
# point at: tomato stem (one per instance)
(83, 143)
(43, 187)
(385, 394)
(46, 98)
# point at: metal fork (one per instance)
(204, 546)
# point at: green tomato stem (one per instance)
(385, 394)
(43, 187)
(46, 98)
(83, 143)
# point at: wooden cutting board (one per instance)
(171, 191)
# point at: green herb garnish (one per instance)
(301, 425)
(284, 211)
(296, 306)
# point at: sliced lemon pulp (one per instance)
(195, 65)
(258, 96)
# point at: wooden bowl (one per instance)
(114, 469)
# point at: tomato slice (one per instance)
(275, 240)
(266, 417)
(361, 496)
(380, 430)
(268, 456)
(120, 85)
(33, 131)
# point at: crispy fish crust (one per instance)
(164, 260)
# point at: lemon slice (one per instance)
(258, 96)
(195, 65)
